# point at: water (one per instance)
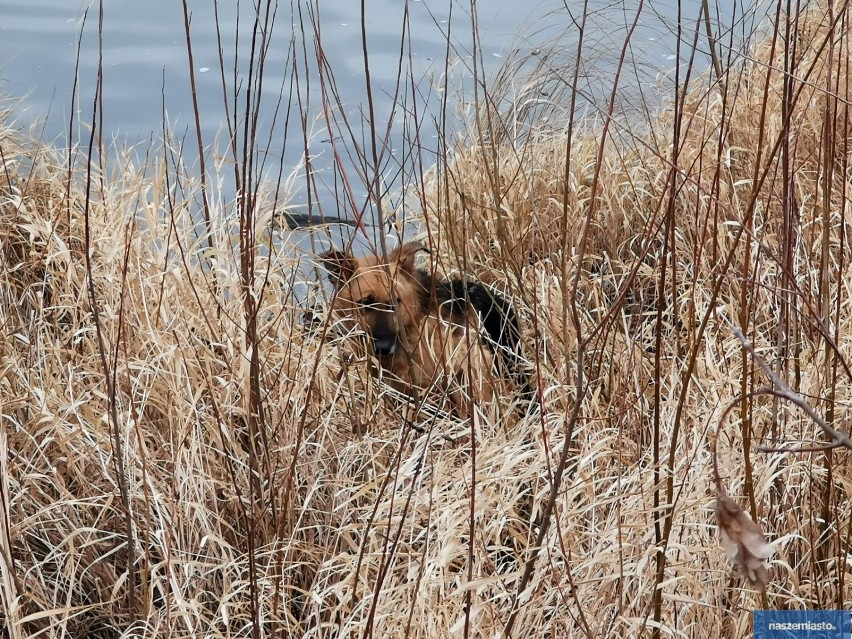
(146, 71)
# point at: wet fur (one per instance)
(417, 325)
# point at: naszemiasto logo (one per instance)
(802, 624)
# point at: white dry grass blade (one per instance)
(9, 595)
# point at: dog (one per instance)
(453, 335)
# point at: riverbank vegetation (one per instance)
(183, 454)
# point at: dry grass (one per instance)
(265, 516)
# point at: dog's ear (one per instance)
(406, 256)
(340, 266)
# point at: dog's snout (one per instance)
(384, 345)
(384, 337)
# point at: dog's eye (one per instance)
(367, 301)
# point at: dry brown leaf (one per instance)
(743, 541)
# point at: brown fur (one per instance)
(420, 344)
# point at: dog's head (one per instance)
(385, 298)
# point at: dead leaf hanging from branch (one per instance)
(743, 540)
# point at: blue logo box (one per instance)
(802, 624)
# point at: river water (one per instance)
(146, 70)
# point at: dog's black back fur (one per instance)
(502, 331)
